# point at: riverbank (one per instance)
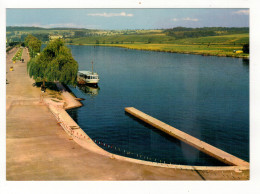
(37, 148)
(195, 49)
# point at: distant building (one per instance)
(53, 37)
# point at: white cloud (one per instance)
(65, 25)
(242, 12)
(61, 25)
(68, 25)
(190, 19)
(26, 25)
(175, 19)
(123, 14)
(185, 19)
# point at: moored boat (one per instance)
(88, 77)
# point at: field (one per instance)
(163, 39)
(223, 39)
(223, 45)
(115, 39)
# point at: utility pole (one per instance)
(92, 67)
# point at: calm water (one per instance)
(207, 97)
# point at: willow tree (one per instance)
(55, 63)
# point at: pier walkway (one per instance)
(202, 146)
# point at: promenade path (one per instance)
(37, 148)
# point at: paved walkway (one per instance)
(37, 148)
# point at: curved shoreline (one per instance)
(166, 51)
(80, 137)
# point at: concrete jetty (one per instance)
(202, 146)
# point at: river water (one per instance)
(204, 96)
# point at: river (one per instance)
(204, 96)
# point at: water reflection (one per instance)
(189, 153)
(74, 114)
(246, 62)
(89, 90)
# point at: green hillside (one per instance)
(223, 39)
(162, 39)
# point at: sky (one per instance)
(121, 19)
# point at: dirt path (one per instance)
(37, 148)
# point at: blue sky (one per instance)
(117, 19)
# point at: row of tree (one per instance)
(33, 44)
(54, 63)
(182, 32)
(246, 48)
(236, 30)
(191, 34)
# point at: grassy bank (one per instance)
(223, 45)
(212, 50)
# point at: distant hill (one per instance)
(160, 36)
(22, 28)
(18, 33)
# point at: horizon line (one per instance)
(127, 29)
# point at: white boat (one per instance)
(87, 77)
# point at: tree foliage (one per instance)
(78, 34)
(246, 48)
(13, 43)
(42, 36)
(55, 63)
(182, 32)
(33, 44)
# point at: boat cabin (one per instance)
(87, 77)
